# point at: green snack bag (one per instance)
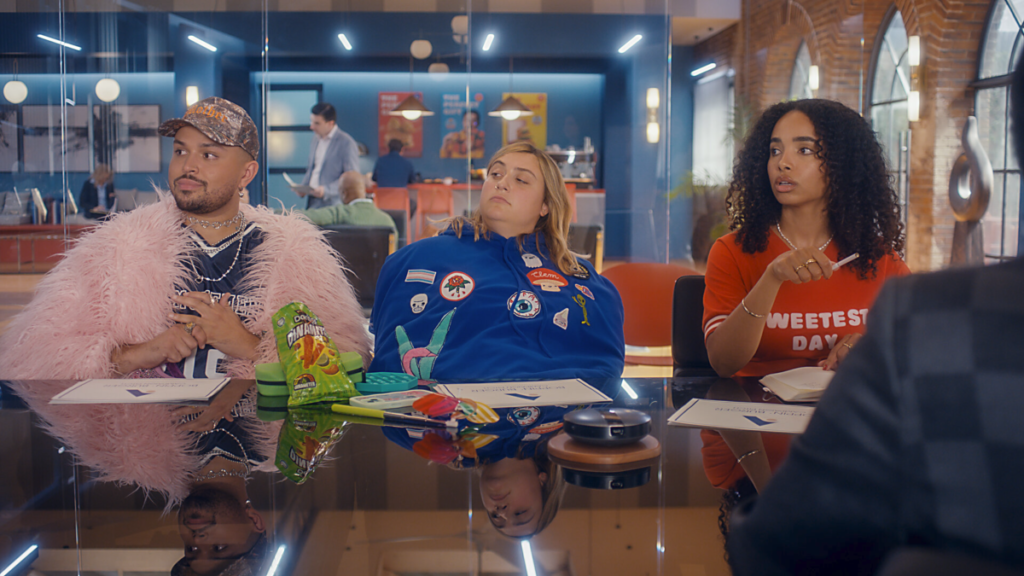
(306, 437)
(312, 365)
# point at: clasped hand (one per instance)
(801, 265)
(216, 325)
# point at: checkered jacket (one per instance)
(919, 440)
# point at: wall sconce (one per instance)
(812, 78)
(191, 95)
(914, 60)
(653, 102)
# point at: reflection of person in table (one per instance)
(499, 296)
(221, 531)
(809, 189)
(97, 196)
(457, 144)
(183, 288)
(521, 488)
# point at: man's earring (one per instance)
(241, 193)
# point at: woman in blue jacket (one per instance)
(499, 296)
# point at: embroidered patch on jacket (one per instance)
(418, 303)
(524, 416)
(425, 276)
(525, 304)
(457, 286)
(586, 291)
(531, 261)
(547, 427)
(581, 272)
(562, 319)
(548, 280)
(579, 299)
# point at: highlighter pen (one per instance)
(394, 418)
(845, 261)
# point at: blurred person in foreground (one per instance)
(917, 441)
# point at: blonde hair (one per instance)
(102, 172)
(554, 225)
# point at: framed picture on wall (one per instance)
(43, 137)
(125, 137)
(8, 138)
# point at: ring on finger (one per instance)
(811, 261)
(213, 301)
(847, 344)
(188, 327)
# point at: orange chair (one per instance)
(393, 199)
(432, 200)
(646, 290)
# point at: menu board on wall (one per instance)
(533, 128)
(462, 126)
(410, 132)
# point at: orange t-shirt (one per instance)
(806, 320)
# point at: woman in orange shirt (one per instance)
(809, 189)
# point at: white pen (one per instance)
(845, 261)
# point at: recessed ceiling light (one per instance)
(488, 41)
(62, 43)
(703, 69)
(203, 43)
(345, 42)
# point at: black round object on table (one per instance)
(607, 426)
(608, 480)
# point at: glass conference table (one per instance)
(373, 506)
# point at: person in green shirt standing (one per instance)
(356, 209)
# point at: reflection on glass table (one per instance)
(375, 504)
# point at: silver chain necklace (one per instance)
(238, 250)
(222, 473)
(207, 224)
(791, 245)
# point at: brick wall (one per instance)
(762, 47)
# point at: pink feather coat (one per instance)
(112, 288)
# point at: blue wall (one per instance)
(681, 153)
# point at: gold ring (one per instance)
(811, 261)
(797, 269)
(188, 327)
(213, 301)
(847, 344)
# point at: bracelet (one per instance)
(754, 451)
(747, 310)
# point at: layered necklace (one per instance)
(239, 221)
(791, 245)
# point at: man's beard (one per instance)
(201, 200)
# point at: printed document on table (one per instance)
(298, 188)
(535, 393)
(755, 416)
(141, 391)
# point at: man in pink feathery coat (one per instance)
(183, 288)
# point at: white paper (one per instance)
(141, 391)
(799, 384)
(299, 188)
(756, 416)
(535, 393)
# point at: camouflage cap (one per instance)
(222, 121)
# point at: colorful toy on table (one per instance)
(271, 408)
(306, 437)
(435, 405)
(380, 382)
(314, 370)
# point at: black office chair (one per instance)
(364, 249)
(931, 562)
(588, 239)
(399, 217)
(689, 356)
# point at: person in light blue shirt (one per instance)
(332, 153)
(97, 196)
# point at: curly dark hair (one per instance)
(863, 209)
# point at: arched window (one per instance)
(799, 81)
(1000, 53)
(890, 85)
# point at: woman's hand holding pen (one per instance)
(801, 265)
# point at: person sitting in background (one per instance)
(96, 199)
(357, 209)
(809, 188)
(499, 295)
(392, 170)
(917, 440)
